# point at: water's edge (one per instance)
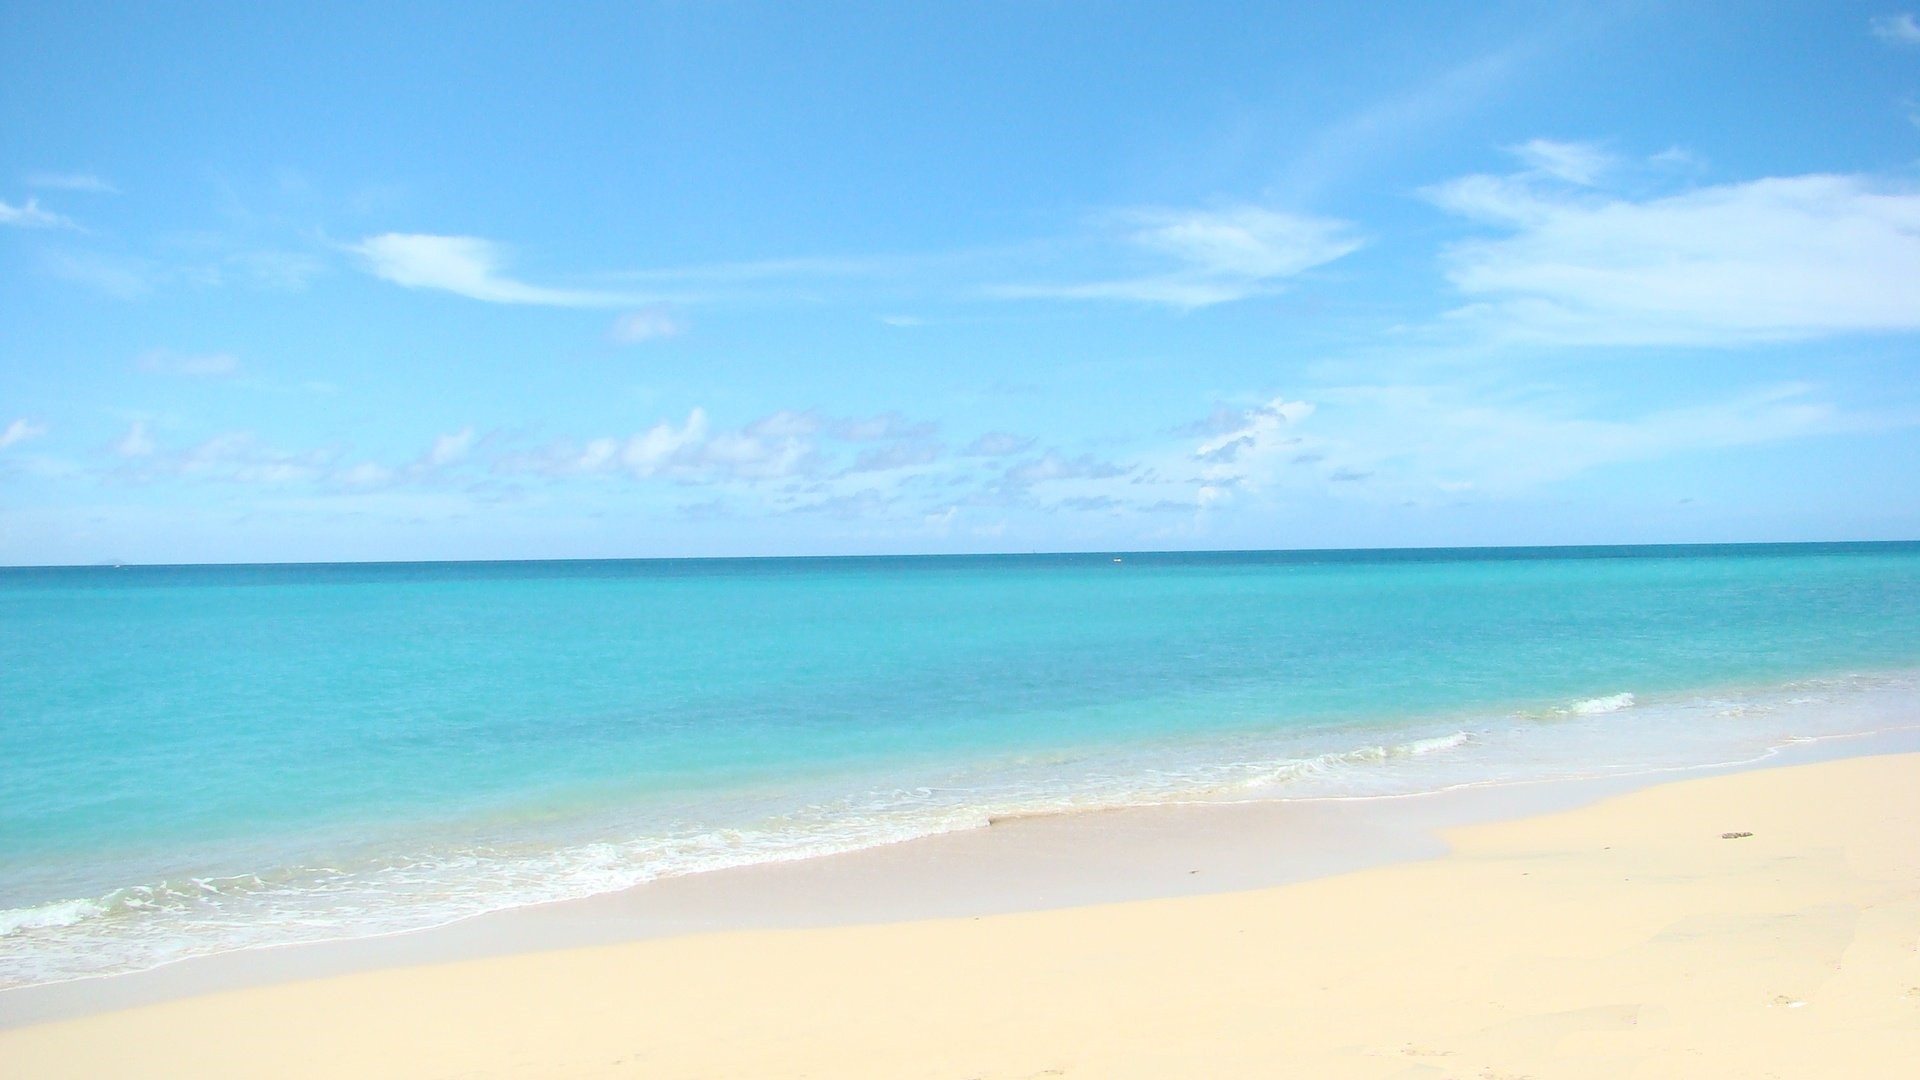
(1063, 860)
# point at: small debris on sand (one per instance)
(1734, 835)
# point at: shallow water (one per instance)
(207, 758)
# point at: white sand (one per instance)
(1625, 939)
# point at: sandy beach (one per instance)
(1757, 924)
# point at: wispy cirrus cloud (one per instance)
(31, 215)
(70, 181)
(136, 443)
(1573, 162)
(190, 365)
(472, 267)
(1206, 257)
(1394, 443)
(649, 324)
(20, 430)
(1900, 29)
(1776, 259)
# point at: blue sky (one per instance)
(511, 281)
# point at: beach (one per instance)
(1762, 922)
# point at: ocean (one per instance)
(196, 759)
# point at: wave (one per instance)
(388, 891)
(48, 916)
(1600, 706)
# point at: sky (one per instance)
(494, 281)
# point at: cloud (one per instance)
(136, 443)
(469, 266)
(58, 181)
(448, 449)
(998, 444)
(1421, 113)
(647, 325)
(280, 271)
(1242, 447)
(1575, 163)
(1900, 29)
(1448, 439)
(1777, 259)
(19, 431)
(363, 475)
(691, 451)
(196, 366)
(120, 277)
(896, 455)
(1052, 466)
(1217, 256)
(29, 215)
(887, 425)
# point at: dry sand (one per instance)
(1623, 939)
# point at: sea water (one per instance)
(199, 759)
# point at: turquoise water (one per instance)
(207, 758)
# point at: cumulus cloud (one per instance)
(1209, 256)
(1900, 29)
(1245, 446)
(1782, 258)
(472, 267)
(691, 451)
(19, 431)
(29, 215)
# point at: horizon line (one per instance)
(1063, 553)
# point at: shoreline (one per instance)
(1603, 741)
(1036, 863)
(1737, 923)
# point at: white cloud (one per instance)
(1776, 259)
(137, 442)
(19, 431)
(1218, 256)
(1575, 163)
(449, 448)
(650, 324)
(280, 271)
(29, 215)
(1246, 448)
(469, 266)
(1445, 440)
(58, 181)
(363, 475)
(198, 366)
(121, 277)
(1394, 444)
(1900, 29)
(998, 444)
